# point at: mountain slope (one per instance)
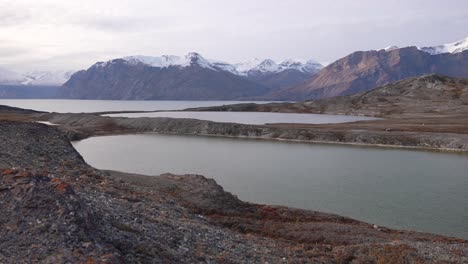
(365, 70)
(159, 78)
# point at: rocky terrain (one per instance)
(425, 96)
(366, 70)
(57, 209)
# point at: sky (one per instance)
(73, 35)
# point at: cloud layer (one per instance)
(54, 34)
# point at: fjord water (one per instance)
(403, 189)
(253, 118)
(87, 106)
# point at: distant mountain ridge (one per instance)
(366, 70)
(190, 77)
(158, 78)
(193, 77)
(455, 47)
(39, 78)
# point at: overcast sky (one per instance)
(60, 34)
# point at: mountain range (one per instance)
(31, 85)
(193, 77)
(366, 70)
(190, 77)
(48, 78)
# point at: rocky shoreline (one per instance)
(380, 133)
(57, 209)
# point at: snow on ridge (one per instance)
(455, 47)
(165, 61)
(389, 48)
(8, 77)
(268, 65)
(224, 66)
(47, 77)
(257, 65)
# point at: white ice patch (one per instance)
(47, 123)
(455, 47)
(264, 66)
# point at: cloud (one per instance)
(75, 34)
(10, 15)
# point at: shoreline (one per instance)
(361, 133)
(351, 144)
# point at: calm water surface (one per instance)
(254, 118)
(79, 106)
(402, 189)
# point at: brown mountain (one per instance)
(365, 70)
(166, 78)
(425, 96)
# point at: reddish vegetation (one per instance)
(62, 187)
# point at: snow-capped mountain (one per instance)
(171, 60)
(278, 75)
(51, 78)
(455, 47)
(190, 77)
(365, 70)
(167, 77)
(243, 69)
(54, 78)
(270, 66)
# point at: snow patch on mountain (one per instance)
(389, 48)
(53, 78)
(47, 77)
(168, 61)
(224, 66)
(243, 69)
(455, 47)
(270, 66)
